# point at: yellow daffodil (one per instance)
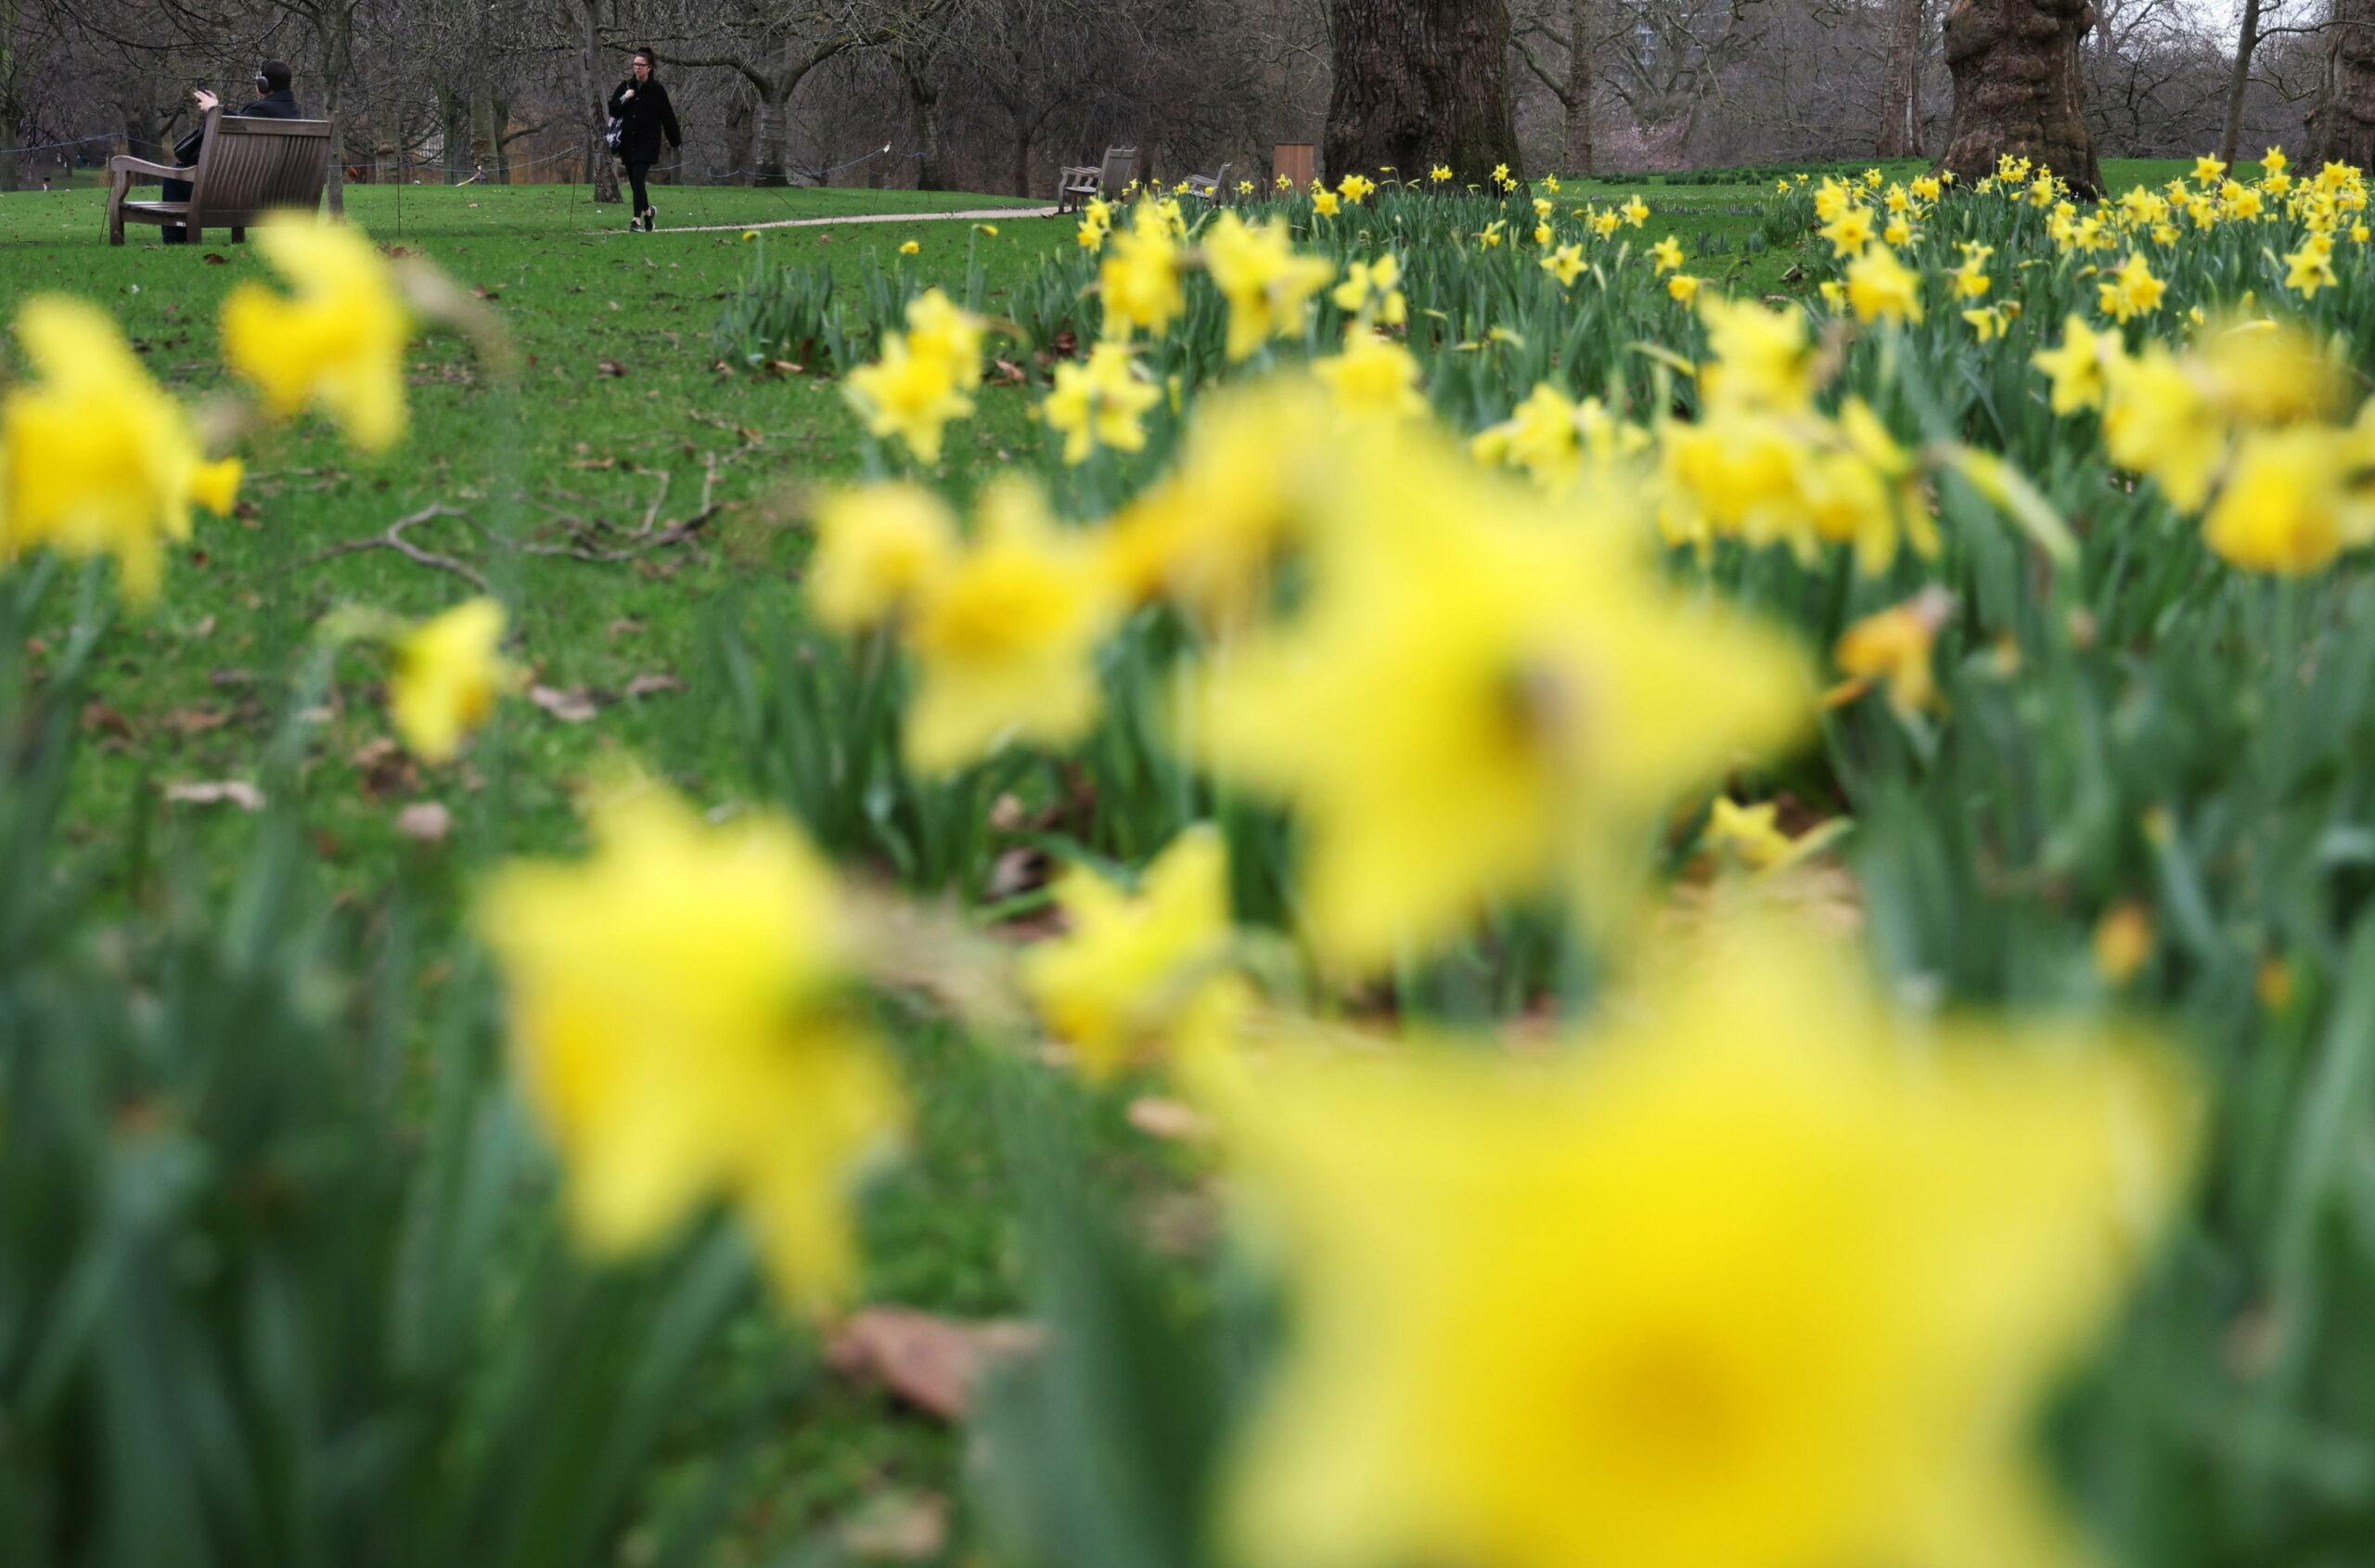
(1326, 204)
(1682, 289)
(447, 674)
(1880, 287)
(2132, 292)
(1242, 495)
(1375, 379)
(1269, 285)
(2122, 941)
(2311, 267)
(1372, 291)
(1666, 254)
(2156, 421)
(2076, 366)
(1894, 646)
(924, 378)
(877, 548)
(1850, 232)
(681, 1026)
(1139, 281)
(337, 343)
(1566, 265)
(1100, 403)
(1005, 637)
(1753, 836)
(1558, 440)
(2283, 509)
(1762, 358)
(94, 458)
(1477, 702)
(1144, 974)
(1761, 1274)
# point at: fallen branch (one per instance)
(394, 539)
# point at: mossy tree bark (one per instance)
(1901, 83)
(2341, 127)
(2016, 91)
(1418, 83)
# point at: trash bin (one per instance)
(1295, 160)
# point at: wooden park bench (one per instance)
(1077, 182)
(1212, 187)
(246, 167)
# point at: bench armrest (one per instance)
(124, 164)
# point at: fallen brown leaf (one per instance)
(569, 707)
(931, 1362)
(898, 1527)
(609, 367)
(100, 719)
(424, 822)
(235, 791)
(653, 683)
(1170, 1119)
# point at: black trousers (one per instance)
(174, 190)
(635, 171)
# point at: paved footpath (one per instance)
(978, 215)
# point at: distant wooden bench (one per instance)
(1077, 182)
(1212, 187)
(246, 167)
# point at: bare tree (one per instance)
(2018, 90)
(1419, 81)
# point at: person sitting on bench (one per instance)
(278, 103)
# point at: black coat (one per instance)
(280, 105)
(643, 119)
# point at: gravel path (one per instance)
(978, 215)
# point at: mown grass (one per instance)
(189, 691)
(623, 418)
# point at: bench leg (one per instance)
(238, 236)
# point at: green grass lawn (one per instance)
(623, 416)
(624, 419)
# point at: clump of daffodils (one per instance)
(924, 378)
(95, 459)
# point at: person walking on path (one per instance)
(276, 103)
(640, 105)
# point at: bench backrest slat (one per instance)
(251, 165)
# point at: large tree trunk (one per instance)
(1583, 79)
(2341, 127)
(1417, 83)
(1901, 83)
(12, 108)
(334, 26)
(772, 160)
(924, 120)
(2017, 92)
(454, 116)
(2239, 81)
(1019, 175)
(597, 100)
